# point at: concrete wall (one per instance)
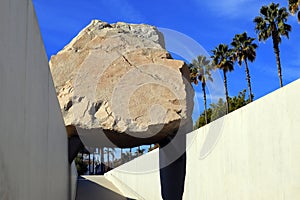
(138, 178)
(73, 184)
(252, 153)
(33, 141)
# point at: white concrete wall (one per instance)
(74, 176)
(252, 153)
(33, 140)
(138, 179)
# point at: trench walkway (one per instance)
(97, 187)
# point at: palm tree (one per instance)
(272, 23)
(121, 155)
(139, 151)
(243, 50)
(222, 59)
(110, 151)
(102, 160)
(200, 69)
(126, 156)
(294, 8)
(113, 152)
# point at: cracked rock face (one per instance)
(118, 86)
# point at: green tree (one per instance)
(201, 121)
(154, 147)
(238, 101)
(126, 156)
(139, 151)
(294, 8)
(222, 59)
(218, 109)
(272, 23)
(243, 50)
(200, 69)
(81, 166)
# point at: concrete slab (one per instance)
(97, 187)
(101, 180)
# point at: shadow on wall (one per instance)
(172, 169)
(172, 153)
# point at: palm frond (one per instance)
(200, 70)
(272, 22)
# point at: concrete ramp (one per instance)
(95, 187)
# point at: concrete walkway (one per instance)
(97, 187)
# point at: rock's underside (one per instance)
(117, 85)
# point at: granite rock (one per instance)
(117, 85)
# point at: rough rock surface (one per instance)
(117, 81)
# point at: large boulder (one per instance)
(117, 85)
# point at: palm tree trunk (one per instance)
(204, 99)
(89, 163)
(102, 160)
(108, 157)
(226, 92)
(248, 81)
(93, 163)
(121, 156)
(277, 54)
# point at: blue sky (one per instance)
(209, 23)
